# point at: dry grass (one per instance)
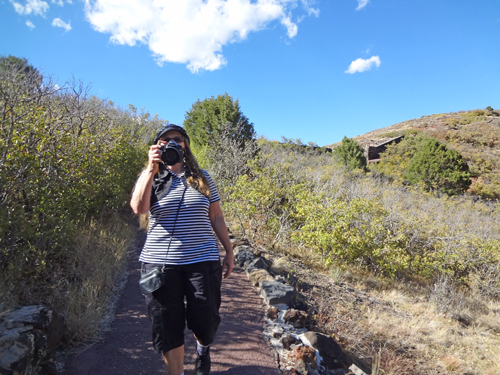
(83, 290)
(411, 327)
(99, 272)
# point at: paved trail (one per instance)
(239, 348)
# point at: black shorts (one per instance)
(191, 293)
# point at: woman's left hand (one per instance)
(228, 265)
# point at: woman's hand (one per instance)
(154, 155)
(228, 264)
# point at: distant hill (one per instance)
(474, 134)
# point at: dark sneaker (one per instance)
(202, 364)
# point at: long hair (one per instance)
(194, 177)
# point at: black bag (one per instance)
(151, 280)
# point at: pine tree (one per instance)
(350, 154)
(439, 169)
(207, 118)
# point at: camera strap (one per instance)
(173, 229)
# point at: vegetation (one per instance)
(208, 118)
(439, 168)
(68, 161)
(473, 134)
(350, 154)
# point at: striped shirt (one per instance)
(193, 240)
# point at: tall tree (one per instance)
(207, 118)
(350, 154)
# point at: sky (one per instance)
(314, 70)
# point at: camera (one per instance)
(172, 153)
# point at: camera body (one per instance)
(172, 153)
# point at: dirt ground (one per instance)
(240, 347)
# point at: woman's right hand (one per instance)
(154, 155)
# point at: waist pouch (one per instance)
(151, 280)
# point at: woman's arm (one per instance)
(219, 226)
(141, 197)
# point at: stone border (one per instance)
(287, 322)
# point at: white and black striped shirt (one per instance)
(194, 240)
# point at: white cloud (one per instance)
(362, 65)
(362, 4)
(191, 32)
(57, 22)
(58, 2)
(30, 24)
(37, 7)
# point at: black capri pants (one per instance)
(190, 293)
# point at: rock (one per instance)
(258, 263)
(258, 275)
(297, 318)
(306, 354)
(275, 293)
(243, 254)
(55, 365)
(238, 249)
(277, 331)
(328, 349)
(356, 370)
(289, 340)
(36, 316)
(465, 318)
(280, 266)
(27, 336)
(302, 368)
(272, 312)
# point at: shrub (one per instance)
(439, 168)
(350, 154)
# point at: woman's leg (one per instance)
(174, 360)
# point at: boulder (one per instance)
(328, 349)
(258, 263)
(297, 318)
(275, 293)
(243, 254)
(258, 275)
(280, 266)
(272, 312)
(302, 368)
(289, 340)
(306, 354)
(27, 336)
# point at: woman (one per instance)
(184, 208)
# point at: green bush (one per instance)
(439, 168)
(65, 158)
(350, 154)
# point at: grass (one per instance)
(401, 327)
(93, 273)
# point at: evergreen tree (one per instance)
(350, 154)
(207, 118)
(439, 168)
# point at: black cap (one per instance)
(167, 128)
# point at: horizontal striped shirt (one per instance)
(193, 239)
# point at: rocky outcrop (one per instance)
(28, 337)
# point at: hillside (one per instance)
(474, 134)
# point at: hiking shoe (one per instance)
(202, 364)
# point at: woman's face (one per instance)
(172, 135)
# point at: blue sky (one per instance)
(310, 69)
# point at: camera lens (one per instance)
(170, 156)
(172, 153)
